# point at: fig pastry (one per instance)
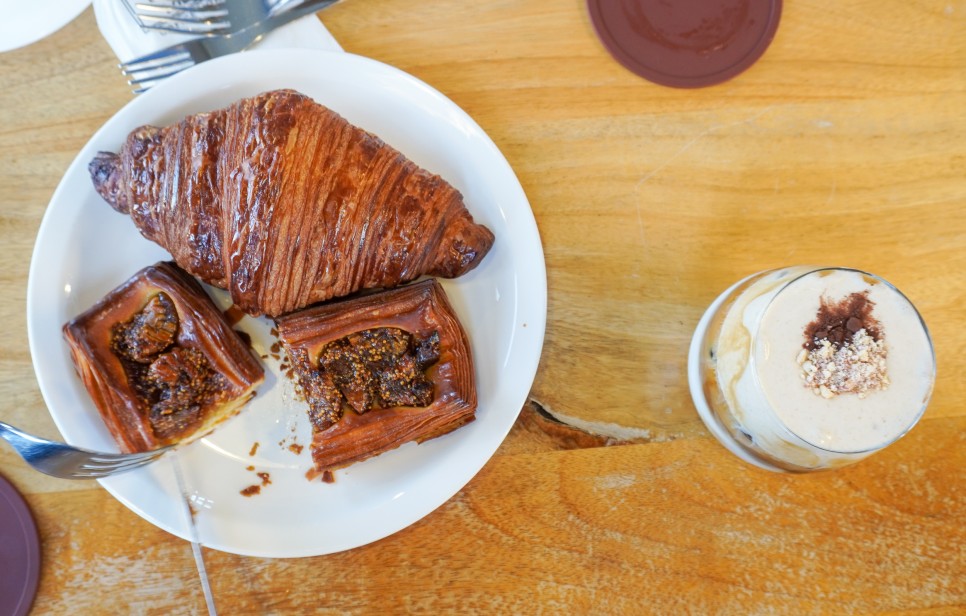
(284, 203)
(380, 370)
(160, 360)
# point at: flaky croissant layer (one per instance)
(284, 203)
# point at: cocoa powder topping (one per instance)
(838, 322)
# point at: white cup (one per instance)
(808, 368)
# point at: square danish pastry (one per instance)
(380, 370)
(160, 360)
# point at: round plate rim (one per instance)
(315, 58)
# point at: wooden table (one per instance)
(845, 144)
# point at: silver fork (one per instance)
(149, 70)
(67, 462)
(208, 17)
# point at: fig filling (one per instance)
(844, 350)
(174, 383)
(376, 368)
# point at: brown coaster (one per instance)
(686, 43)
(19, 552)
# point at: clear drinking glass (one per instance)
(808, 368)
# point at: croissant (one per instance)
(283, 203)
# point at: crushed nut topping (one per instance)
(844, 350)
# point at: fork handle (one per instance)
(228, 43)
(7, 432)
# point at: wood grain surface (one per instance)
(845, 145)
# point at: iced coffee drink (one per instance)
(808, 368)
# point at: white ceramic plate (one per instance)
(84, 249)
(27, 21)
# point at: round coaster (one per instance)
(686, 43)
(19, 552)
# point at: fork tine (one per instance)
(111, 470)
(90, 469)
(115, 460)
(143, 85)
(157, 59)
(93, 474)
(186, 19)
(182, 15)
(144, 73)
(143, 77)
(186, 27)
(201, 5)
(94, 466)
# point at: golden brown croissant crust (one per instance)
(160, 361)
(284, 203)
(380, 370)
